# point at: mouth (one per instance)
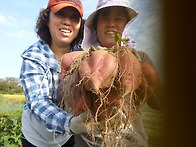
(110, 32)
(66, 31)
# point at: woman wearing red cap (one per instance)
(60, 29)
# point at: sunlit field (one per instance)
(9, 96)
(11, 102)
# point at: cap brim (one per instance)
(58, 7)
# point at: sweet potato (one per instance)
(75, 96)
(98, 70)
(67, 60)
(103, 83)
(129, 70)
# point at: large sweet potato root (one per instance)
(103, 84)
(130, 71)
(98, 70)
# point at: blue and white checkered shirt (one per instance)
(40, 77)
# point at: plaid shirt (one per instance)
(40, 77)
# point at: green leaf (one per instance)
(117, 37)
(125, 40)
(10, 128)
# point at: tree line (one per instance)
(10, 85)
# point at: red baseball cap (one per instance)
(56, 5)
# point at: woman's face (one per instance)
(108, 24)
(64, 26)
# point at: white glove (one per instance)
(77, 125)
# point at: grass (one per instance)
(154, 125)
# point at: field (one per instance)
(10, 119)
(11, 102)
(154, 126)
(153, 120)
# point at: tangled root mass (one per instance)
(102, 82)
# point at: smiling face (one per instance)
(109, 22)
(64, 26)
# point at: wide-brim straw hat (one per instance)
(90, 36)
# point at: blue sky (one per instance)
(18, 19)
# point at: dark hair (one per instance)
(106, 11)
(43, 32)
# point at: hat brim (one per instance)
(132, 14)
(58, 7)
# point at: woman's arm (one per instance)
(150, 86)
(37, 84)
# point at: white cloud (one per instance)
(7, 20)
(11, 26)
(10, 21)
(20, 34)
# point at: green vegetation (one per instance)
(10, 86)
(154, 126)
(118, 37)
(10, 128)
(10, 122)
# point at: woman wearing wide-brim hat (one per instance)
(100, 32)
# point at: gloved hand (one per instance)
(77, 125)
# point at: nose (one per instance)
(111, 24)
(66, 21)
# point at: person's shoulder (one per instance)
(38, 47)
(37, 51)
(41, 53)
(144, 57)
(142, 53)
